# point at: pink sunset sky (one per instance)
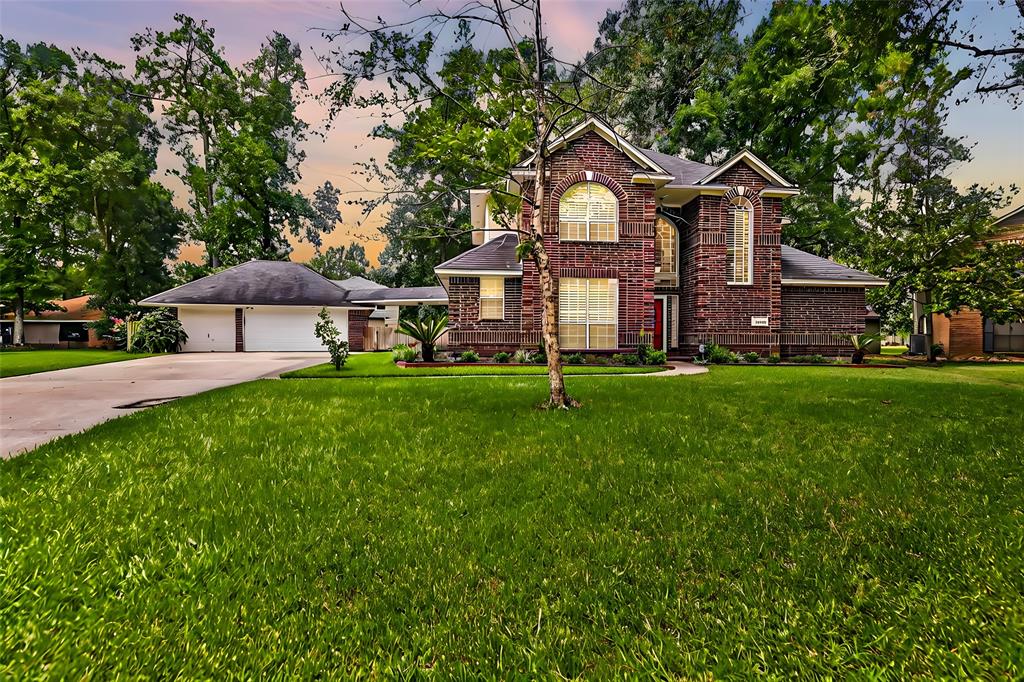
(106, 27)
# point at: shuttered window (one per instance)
(588, 313)
(739, 262)
(492, 298)
(665, 245)
(588, 212)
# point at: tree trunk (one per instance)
(558, 396)
(214, 260)
(19, 317)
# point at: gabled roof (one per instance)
(497, 256)
(1013, 218)
(802, 268)
(750, 159)
(592, 124)
(258, 282)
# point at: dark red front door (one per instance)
(659, 324)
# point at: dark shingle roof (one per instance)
(497, 254)
(258, 282)
(800, 265)
(686, 172)
(383, 295)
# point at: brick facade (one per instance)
(630, 260)
(707, 308)
(813, 318)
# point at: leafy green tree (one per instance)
(36, 102)
(922, 233)
(489, 108)
(657, 54)
(340, 262)
(328, 333)
(238, 136)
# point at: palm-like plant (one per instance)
(860, 343)
(427, 330)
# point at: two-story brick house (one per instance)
(642, 242)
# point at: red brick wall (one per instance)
(630, 259)
(239, 331)
(812, 317)
(358, 320)
(464, 305)
(710, 308)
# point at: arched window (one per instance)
(739, 264)
(665, 245)
(588, 212)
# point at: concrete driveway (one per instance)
(39, 407)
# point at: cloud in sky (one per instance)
(106, 26)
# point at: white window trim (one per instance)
(615, 235)
(749, 208)
(482, 298)
(614, 285)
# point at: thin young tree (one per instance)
(493, 107)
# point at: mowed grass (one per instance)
(745, 522)
(381, 365)
(894, 350)
(18, 362)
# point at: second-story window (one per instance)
(739, 263)
(588, 212)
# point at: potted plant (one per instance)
(860, 343)
(427, 330)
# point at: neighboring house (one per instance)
(64, 328)
(966, 332)
(273, 305)
(643, 243)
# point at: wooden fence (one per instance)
(131, 328)
(385, 338)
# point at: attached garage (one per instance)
(210, 328)
(282, 328)
(259, 306)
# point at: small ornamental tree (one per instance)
(159, 332)
(328, 333)
(427, 330)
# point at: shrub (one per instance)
(328, 333)
(643, 348)
(719, 355)
(541, 356)
(158, 332)
(521, 356)
(774, 359)
(751, 357)
(936, 351)
(469, 355)
(656, 357)
(501, 357)
(626, 359)
(815, 359)
(402, 353)
(575, 359)
(427, 330)
(860, 343)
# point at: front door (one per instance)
(659, 323)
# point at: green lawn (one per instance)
(17, 362)
(381, 365)
(747, 522)
(894, 350)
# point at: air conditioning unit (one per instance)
(918, 344)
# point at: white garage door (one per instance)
(209, 329)
(284, 329)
